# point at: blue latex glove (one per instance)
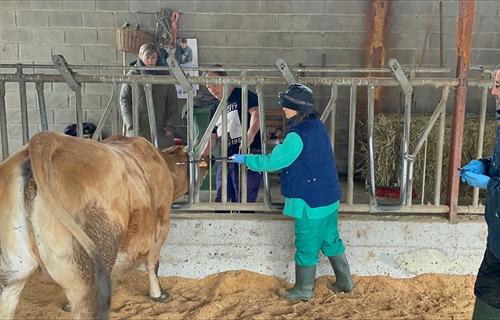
(239, 158)
(475, 179)
(475, 166)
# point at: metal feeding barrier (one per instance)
(394, 76)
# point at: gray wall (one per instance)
(233, 33)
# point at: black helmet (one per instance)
(297, 97)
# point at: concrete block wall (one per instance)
(233, 33)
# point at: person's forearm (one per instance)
(211, 144)
(254, 123)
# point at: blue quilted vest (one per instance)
(313, 175)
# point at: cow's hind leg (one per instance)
(152, 263)
(9, 298)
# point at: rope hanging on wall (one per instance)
(166, 28)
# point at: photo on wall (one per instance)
(186, 54)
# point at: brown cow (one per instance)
(64, 199)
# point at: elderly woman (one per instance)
(164, 101)
(310, 185)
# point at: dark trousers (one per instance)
(487, 286)
(233, 183)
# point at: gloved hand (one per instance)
(239, 158)
(475, 179)
(475, 166)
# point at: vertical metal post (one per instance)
(116, 108)
(371, 121)
(352, 135)
(24, 110)
(439, 156)
(480, 138)
(42, 106)
(465, 26)
(79, 112)
(3, 122)
(405, 148)
(244, 146)
(223, 146)
(135, 109)
(263, 137)
(148, 88)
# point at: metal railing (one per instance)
(395, 76)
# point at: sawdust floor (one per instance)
(249, 295)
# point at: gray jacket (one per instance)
(165, 109)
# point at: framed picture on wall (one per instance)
(186, 54)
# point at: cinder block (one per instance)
(489, 24)
(260, 22)
(65, 19)
(344, 39)
(182, 6)
(307, 6)
(485, 57)
(484, 40)
(405, 23)
(46, 5)
(35, 52)
(111, 5)
(106, 36)
(58, 127)
(56, 100)
(292, 22)
(81, 36)
(89, 101)
(15, 4)
(416, 7)
(353, 23)
(242, 39)
(307, 39)
(144, 6)
(347, 7)
(14, 116)
(97, 88)
(283, 7)
(7, 18)
(227, 21)
(100, 53)
(95, 115)
(146, 21)
(217, 38)
(48, 35)
(28, 18)
(411, 40)
(88, 5)
(20, 35)
(14, 145)
(98, 19)
(275, 39)
(325, 23)
(15, 131)
(210, 6)
(246, 7)
(64, 117)
(404, 56)
(72, 53)
(197, 21)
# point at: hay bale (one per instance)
(384, 136)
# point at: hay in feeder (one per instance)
(385, 134)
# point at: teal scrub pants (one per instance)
(313, 235)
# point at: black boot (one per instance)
(484, 311)
(340, 267)
(304, 283)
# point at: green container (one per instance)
(201, 115)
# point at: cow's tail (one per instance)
(41, 148)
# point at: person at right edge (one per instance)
(485, 173)
(311, 187)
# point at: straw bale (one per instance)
(385, 152)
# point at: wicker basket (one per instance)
(129, 40)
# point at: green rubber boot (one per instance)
(304, 283)
(484, 311)
(340, 267)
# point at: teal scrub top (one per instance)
(281, 157)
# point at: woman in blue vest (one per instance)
(311, 187)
